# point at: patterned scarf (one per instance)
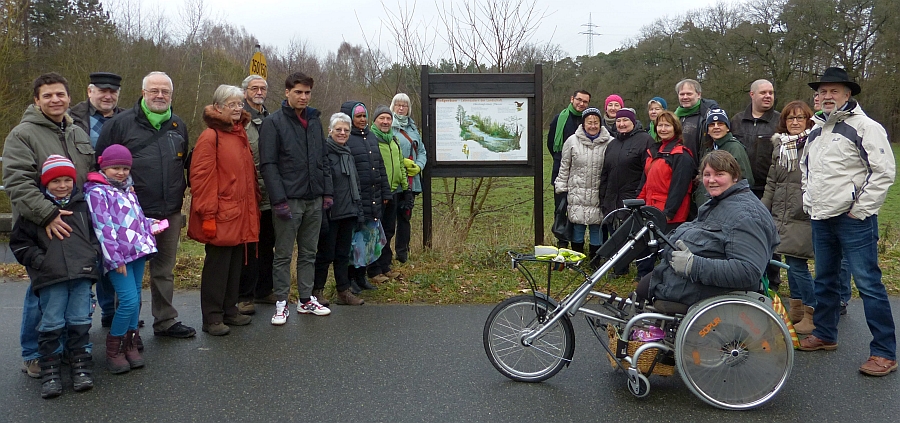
(787, 150)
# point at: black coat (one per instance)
(373, 183)
(158, 169)
(756, 135)
(51, 260)
(344, 206)
(81, 115)
(294, 160)
(693, 127)
(623, 168)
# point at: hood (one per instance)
(217, 120)
(347, 109)
(34, 115)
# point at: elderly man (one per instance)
(256, 275)
(101, 105)
(847, 167)
(692, 111)
(90, 115)
(45, 129)
(563, 126)
(754, 128)
(158, 141)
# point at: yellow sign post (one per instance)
(258, 65)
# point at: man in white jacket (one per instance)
(847, 167)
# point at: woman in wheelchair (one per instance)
(725, 249)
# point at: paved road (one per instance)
(392, 363)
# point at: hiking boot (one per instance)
(878, 366)
(216, 329)
(320, 296)
(813, 343)
(177, 330)
(32, 368)
(281, 313)
(82, 363)
(246, 307)
(392, 274)
(376, 279)
(51, 384)
(132, 355)
(268, 299)
(346, 297)
(237, 320)
(313, 307)
(115, 355)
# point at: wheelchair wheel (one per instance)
(518, 316)
(734, 351)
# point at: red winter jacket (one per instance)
(668, 177)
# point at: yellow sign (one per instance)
(258, 65)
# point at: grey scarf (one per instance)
(348, 166)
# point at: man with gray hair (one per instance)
(692, 111)
(158, 141)
(256, 274)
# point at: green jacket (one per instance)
(731, 145)
(26, 148)
(393, 164)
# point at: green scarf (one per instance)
(385, 136)
(156, 119)
(561, 125)
(682, 112)
(652, 131)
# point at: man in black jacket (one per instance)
(692, 111)
(563, 126)
(294, 163)
(158, 141)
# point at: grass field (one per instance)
(477, 269)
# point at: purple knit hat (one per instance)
(115, 155)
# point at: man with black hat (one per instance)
(102, 104)
(847, 167)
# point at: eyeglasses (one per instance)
(234, 106)
(341, 130)
(261, 89)
(796, 118)
(155, 92)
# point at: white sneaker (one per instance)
(313, 307)
(281, 313)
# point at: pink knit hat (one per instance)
(613, 97)
(56, 166)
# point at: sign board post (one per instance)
(482, 125)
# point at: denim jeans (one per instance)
(302, 228)
(31, 318)
(66, 304)
(800, 280)
(846, 292)
(836, 238)
(128, 289)
(578, 233)
(106, 297)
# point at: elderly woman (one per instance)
(655, 106)
(784, 197)
(728, 246)
(579, 177)
(224, 207)
(343, 216)
(413, 150)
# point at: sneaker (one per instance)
(216, 329)
(268, 299)
(178, 330)
(320, 297)
(313, 307)
(237, 320)
(392, 274)
(281, 313)
(246, 307)
(32, 368)
(878, 366)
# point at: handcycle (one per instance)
(733, 351)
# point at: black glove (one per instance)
(407, 200)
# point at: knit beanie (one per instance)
(380, 110)
(627, 113)
(659, 100)
(613, 97)
(56, 166)
(115, 155)
(591, 111)
(717, 115)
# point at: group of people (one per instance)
(97, 193)
(801, 184)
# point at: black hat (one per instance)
(839, 76)
(106, 80)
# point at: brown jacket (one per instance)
(223, 183)
(784, 197)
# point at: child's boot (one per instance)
(132, 354)
(82, 372)
(115, 354)
(51, 384)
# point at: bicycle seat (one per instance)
(670, 307)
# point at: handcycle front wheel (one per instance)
(733, 351)
(517, 317)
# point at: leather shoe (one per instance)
(268, 299)
(365, 284)
(878, 366)
(237, 320)
(813, 343)
(354, 288)
(246, 307)
(178, 330)
(216, 329)
(393, 274)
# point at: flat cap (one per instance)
(106, 80)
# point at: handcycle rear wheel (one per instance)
(733, 352)
(517, 317)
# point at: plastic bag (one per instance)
(367, 243)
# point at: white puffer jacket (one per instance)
(579, 175)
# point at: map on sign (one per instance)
(258, 65)
(481, 129)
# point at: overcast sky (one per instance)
(324, 24)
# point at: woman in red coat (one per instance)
(224, 207)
